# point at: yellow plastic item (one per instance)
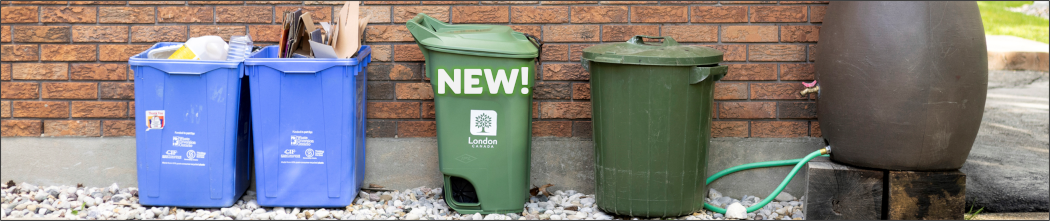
(183, 53)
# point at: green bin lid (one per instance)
(636, 51)
(483, 40)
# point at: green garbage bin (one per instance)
(651, 106)
(482, 77)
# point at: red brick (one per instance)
(265, 33)
(104, 72)
(63, 14)
(39, 2)
(118, 128)
(185, 14)
(40, 109)
(536, 110)
(157, 2)
(508, 2)
(416, 129)
(391, 2)
(117, 90)
(659, 14)
(224, 31)
(404, 13)
(552, 128)
(19, 53)
(814, 129)
(779, 129)
(72, 128)
(576, 51)
(805, 110)
(69, 90)
(691, 33)
(414, 91)
(244, 14)
(97, 109)
(98, 2)
(540, 14)
(317, 13)
(817, 12)
(780, 52)
(767, 91)
(806, 33)
(67, 52)
(747, 2)
(730, 91)
(729, 128)
(5, 109)
(581, 91)
(480, 14)
(19, 90)
(812, 53)
(582, 129)
(565, 72)
(216, 2)
(388, 33)
(778, 13)
(599, 14)
(627, 2)
(567, 2)
(428, 110)
(407, 52)
(625, 32)
(41, 33)
(40, 71)
(19, 14)
(126, 15)
(688, 2)
(803, 2)
(393, 110)
(397, 72)
(375, 14)
(797, 72)
(131, 107)
(382, 52)
(719, 14)
(120, 52)
(534, 30)
(381, 90)
(732, 52)
(21, 128)
(449, 2)
(5, 72)
(555, 53)
(751, 72)
(752, 33)
(381, 129)
(565, 110)
(552, 91)
(100, 33)
(158, 34)
(5, 33)
(571, 33)
(747, 110)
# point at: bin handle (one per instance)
(186, 73)
(668, 40)
(701, 73)
(539, 48)
(300, 72)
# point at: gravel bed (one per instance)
(26, 201)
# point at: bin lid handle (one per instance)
(668, 40)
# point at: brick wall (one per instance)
(65, 73)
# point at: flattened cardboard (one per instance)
(348, 40)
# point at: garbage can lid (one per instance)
(636, 51)
(482, 40)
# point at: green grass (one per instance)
(999, 20)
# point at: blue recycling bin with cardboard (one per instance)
(308, 116)
(192, 131)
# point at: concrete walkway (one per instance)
(1008, 166)
(1015, 53)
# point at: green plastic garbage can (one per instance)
(482, 77)
(651, 106)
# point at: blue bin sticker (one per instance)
(154, 120)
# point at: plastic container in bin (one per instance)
(309, 124)
(192, 131)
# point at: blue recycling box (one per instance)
(192, 131)
(308, 118)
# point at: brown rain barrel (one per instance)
(903, 84)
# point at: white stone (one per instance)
(784, 197)
(736, 211)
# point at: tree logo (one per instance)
(483, 122)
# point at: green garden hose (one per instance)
(798, 165)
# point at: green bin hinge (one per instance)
(700, 74)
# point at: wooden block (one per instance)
(839, 192)
(926, 195)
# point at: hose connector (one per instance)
(814, 89)
(825, 151)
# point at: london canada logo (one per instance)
(483, 123)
